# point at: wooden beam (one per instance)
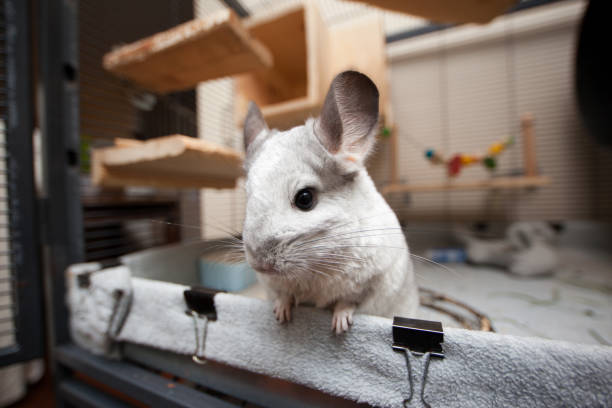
(177, 59)
(393, 153)
(498, 183)
(529, 153)
(447, 11)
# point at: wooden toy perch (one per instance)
(530, 178)
(167, 162)
(196, 51)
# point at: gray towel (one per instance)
(480, 369)
(98, 301)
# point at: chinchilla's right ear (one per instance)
(254, 124)
(349, 117)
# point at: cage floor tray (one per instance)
(196, 51)
(172, 162)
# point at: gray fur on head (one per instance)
(291, 248)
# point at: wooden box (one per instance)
(307, 55)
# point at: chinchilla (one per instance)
(316, 229)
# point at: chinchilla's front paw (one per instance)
(282, 309)
(343, 317)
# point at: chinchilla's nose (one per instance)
(262, 248)
(261, 257)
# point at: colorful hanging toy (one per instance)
(459, 160)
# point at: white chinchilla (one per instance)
(316, 229)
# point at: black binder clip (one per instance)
(202, 301)
(418, 336)
(201, 307)
(421, 338)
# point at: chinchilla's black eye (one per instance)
(305, 199)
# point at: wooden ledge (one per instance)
(177, 59)
(167, 162)
(498, 183)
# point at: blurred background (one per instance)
(493, 150)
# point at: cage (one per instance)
(124, 253)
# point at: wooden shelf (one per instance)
(178, 59)
(447, 11)
(167, 162)
(498, 183)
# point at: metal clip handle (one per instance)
(198, 354)
(201, 307)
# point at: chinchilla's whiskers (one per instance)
(365, 218)
(315, 269)
(424, 259)
(317, 272)
(325, 237)
(230, 257)
(301, 261)
(402, 230)
(418, 257)
(175, 224)
(224, 229)
(336, 261)
(364, 246)
(414, 229)
(302, 266)
(366, 236)
(338, 266)
(328, 253)
(330, 262)
(331, 266)
(230, 246)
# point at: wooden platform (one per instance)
(178, 59)
(497, 183)
(447, 11)
(167, 162)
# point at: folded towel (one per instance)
(98, 301)
(480, 369)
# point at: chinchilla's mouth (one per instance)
(268, 270)
(265, 268)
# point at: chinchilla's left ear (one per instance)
(349, 117)
(254, 124)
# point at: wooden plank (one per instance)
(168, 162)
(447, 11)
(178, 59)
(393, 153)
(529, 153)
(125, 142)
(490, 184)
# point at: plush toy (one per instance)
(527, 250)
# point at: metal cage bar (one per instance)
(20, 249)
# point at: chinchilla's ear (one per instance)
(348, 120)
(254, 124)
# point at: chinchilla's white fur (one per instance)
(348, 252)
